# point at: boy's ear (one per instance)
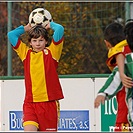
(108, 45)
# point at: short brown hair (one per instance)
(37, 31)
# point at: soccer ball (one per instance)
(40, 16)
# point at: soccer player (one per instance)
(117, 45)
(129, 67)
(40, 60)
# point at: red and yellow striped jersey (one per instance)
(40, 69)
(117, 49)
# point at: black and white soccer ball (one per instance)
(40, 16)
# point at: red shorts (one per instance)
(43, 115)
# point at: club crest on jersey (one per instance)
(46, 51)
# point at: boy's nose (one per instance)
(38, 43)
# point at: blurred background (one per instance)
(84, 50)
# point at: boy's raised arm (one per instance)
(58, 31)
(14, 35)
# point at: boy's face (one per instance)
(38, 44)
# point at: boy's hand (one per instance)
(126, 81)
(47, 26)
(27, 27)
(99, 99)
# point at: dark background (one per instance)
(84, 51)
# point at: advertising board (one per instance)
(77, 107)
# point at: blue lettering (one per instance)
(15, 123)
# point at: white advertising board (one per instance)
(12, 95)
(79, 96)
(77, 107)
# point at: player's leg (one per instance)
(30, 128)
(122, 122)
(30, 121)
